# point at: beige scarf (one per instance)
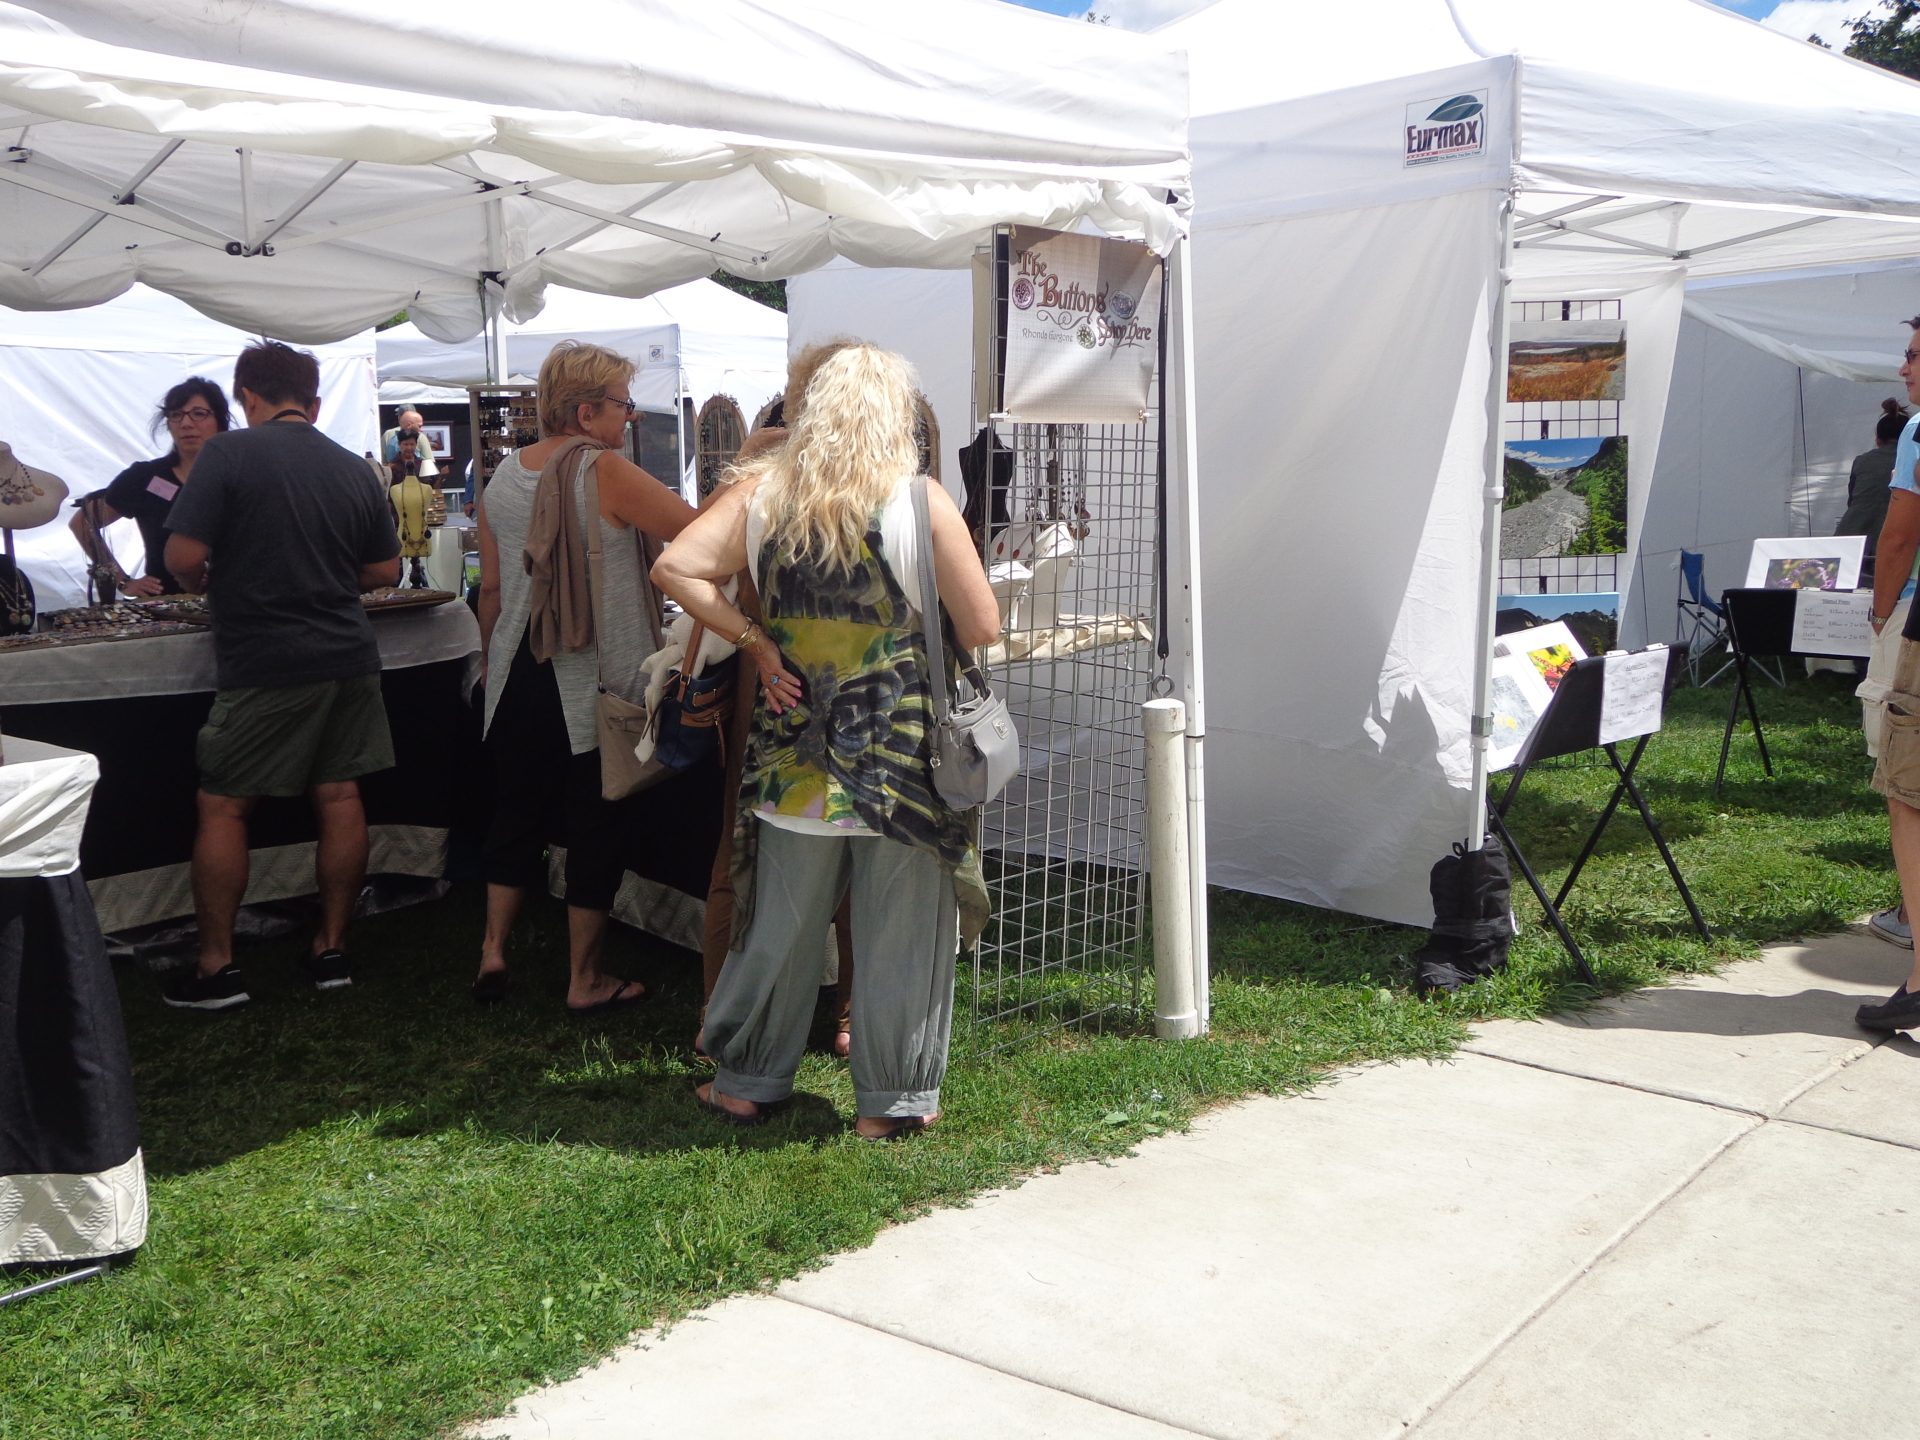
(560, 600)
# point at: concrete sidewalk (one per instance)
(1690, 1212)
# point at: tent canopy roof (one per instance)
(1680, 131)
(761, 138)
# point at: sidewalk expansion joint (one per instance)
(1560, 1289)
(973, 1360)
(1730, 1109)
(1850, 1134)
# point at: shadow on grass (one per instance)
(408, 1043)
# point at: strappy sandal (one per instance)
(489, 987)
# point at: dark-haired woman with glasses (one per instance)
(194, 411)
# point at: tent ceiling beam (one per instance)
(1755, 235)
(142, 213)
(713, 244)
(1522, 220)
(593, 230)
(124, 197)
(314, 192)
(417, 212)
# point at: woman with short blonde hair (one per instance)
(546, 656)
(837, 781)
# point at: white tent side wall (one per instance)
(1343, 376)
(1754, 446)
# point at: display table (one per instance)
(72, 1183)
(138, 706)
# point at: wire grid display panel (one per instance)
(1063, 845)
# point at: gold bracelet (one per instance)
(746, 635)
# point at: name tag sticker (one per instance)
(164, 488)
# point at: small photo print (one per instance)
(1552, 662)
(1513, 714)
(1821, 573)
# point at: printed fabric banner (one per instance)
(1082, 328)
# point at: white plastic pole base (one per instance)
(1175, 1016)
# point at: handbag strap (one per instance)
(941, 682)
(595, 575)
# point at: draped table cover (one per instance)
(72, 1182)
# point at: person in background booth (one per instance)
(390, 442)
(545, 658)
(194, 411)
(282, 531)
(838, 789)
(1867, 483)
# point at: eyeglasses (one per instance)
(629, 405)
(1912, 355)
(199, 412)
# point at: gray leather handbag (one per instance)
(976, 750)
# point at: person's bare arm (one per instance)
(186, 560)
(381, 572)
(1893, 556)
(711, 550)
(958, 573)
(629, 494)
(90, 517)
(489, 584)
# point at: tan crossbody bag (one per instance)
(618, 723)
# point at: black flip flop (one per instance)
(760, 1116)
(619, 1000)
(489, 987)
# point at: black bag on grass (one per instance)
(1472, 918)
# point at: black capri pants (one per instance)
(544, 795)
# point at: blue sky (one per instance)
(1553, 454)
(1797, 17)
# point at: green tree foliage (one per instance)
(1602, 482)
(1524, 482)
(767, 292)
(1891, 39)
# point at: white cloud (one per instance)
(1144, 14)
(1831, 20)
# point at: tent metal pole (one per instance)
(1493, 497)
(1183, 596)
(493, 295)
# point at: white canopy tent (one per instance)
(1352, 310)
(83, 387)
(694, 341)
(318, 190)
(1777, 382)
(287, 164)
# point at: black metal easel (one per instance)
(1570, 725)
(1759, 622)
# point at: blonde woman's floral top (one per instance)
(855, 751)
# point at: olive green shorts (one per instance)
(285, 739)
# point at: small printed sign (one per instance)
(1446, 127)
(1082, 328)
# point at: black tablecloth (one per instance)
(66, 1087)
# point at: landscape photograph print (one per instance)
(1567, 360)
(1565, 497)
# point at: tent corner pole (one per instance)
(1183, 496)
(1493, 501)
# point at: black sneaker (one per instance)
(224, 990)
(1899, 1011)
(329, 969)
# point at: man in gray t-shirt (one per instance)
(283, 538)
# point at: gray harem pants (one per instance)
(906, 933)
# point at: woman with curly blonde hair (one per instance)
(837, 784)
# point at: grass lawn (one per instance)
(383, 1212)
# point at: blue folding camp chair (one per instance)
(1703, 625)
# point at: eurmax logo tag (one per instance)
(1446, 129)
